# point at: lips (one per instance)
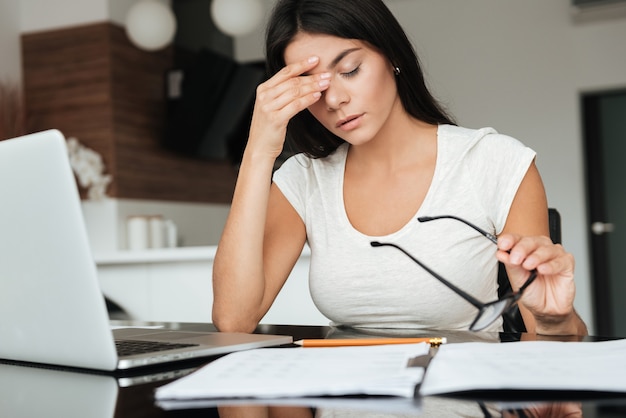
(348, 122)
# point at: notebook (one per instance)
(52, 310)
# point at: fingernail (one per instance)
(325, 76)
(324, 83)
(313, 59)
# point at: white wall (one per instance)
(10, 55)
(518, 66)
(37, 15)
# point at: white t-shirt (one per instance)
(476, 177)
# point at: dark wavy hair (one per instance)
(366, 20)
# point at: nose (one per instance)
(336, 95)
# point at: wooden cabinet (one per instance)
(91, 83)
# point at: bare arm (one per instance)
(263, 235)
(547, 305)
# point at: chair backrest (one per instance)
(513, 321)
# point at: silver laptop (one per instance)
(52, 310)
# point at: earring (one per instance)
(396, 71)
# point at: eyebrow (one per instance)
(341, 56)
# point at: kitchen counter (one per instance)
(175, 285)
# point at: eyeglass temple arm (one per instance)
(491, 237)
(455, 289)
(488, 235)
(531, 278)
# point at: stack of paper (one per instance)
(296, 372)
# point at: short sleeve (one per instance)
(500, 163)
(291, 179)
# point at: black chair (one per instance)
(513, 321)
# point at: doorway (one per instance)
(604, 119)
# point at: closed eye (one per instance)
(351, 73)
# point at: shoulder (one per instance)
(473, 136)
(301, 178)
(460, 132)
(483, 142)
(303, 164)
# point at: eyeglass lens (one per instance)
(489, 313)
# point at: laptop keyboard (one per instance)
(130, 347)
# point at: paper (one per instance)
(534, 365)
(293, 372)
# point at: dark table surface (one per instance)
(33, 391)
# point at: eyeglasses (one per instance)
(487, 312)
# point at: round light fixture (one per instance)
(237, 17)
(150, 25)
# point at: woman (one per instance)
(377, 151)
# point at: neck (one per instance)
(402, 142)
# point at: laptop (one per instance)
(52, 310)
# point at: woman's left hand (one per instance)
(550, 298)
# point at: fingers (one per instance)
(292, 70)
(534, 253)
(279, 99)
(289, 91)
(550, 299)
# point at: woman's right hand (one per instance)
(243, 292)
(279, 99)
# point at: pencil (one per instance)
(368, 341)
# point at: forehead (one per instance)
(326, 47)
